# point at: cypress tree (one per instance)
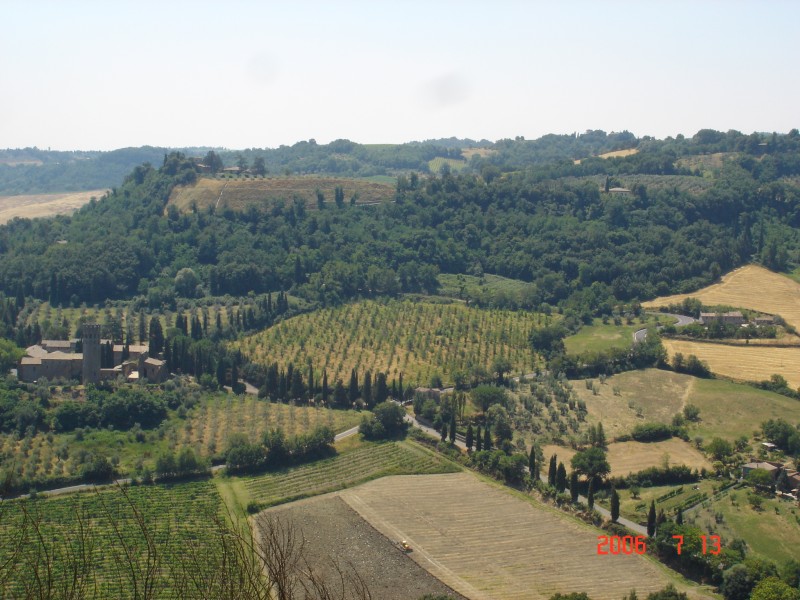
(552, 471)
(487, 439)
(561, 478)
(452, 428)
(478, 440)
(470, 437)
(614, 505)
(311, 389)
(532, 466)
(444, 431)
(590, 495)
(297, 388)
(142, 328)
(325, 390)
(651, 519)
(381, 389)
(661, 517)
(352, 391)
(601, 436)
(366, 391)
(573, 486)
(679, 516)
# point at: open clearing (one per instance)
(486, 543)
(630, 457)
(334, 531)
(44, 205)
(238, 194)
(727, 409)
(743, 363)
(599, 337)
(752, 287)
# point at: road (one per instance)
(605, 513)
(641, 334)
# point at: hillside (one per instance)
(241, 193)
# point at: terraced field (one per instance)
(486, 543)
(362, 464)
(417, 339)
(238, 194)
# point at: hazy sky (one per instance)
(110, 74)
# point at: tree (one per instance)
(487, 439)
(297, 389)
(561, 478)
(259, 168)
(552, 471)
(485, 396)
(444, 432)
(601, 436)
(573, 487)
(691, 412)
(186, 282)
(590, 495)
(9, 355)
(339, 394)
(470, 437)
(452, 428)
(679, 516)
(719, 449)
(772, 588)
(387, 421)
(213, 162)
(501, 366)
(760, 478)
(366, 389)
(381, 389)
(614, 505)
(156, 342)
(591, 463)
(478, 440)
(533, 467)
(352, 391)
(651, 519)
(325, 390)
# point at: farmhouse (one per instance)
(764, 321)
(58, 359)
(773, 468)
(728, 318)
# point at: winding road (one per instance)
(640, 335)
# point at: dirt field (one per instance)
(43, 205)
(743, 363)
(333, 530)
(238, 194)
(488, 544)
(629, 457)
(752, 287)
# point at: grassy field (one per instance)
(630, 457)
(485, 542)
(772, 531)
(599, 337)
(361, 462)
(486, 289)
(705, 163)
(744, 363)
(752, 287)
(175, 515)
(435, 165)
(44, 205)
(238, 194)
(417, 339)
(727, 409)
(636, 509)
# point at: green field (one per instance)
(487, 290)
(415, 339)
(772, 531)
(727, 409)
(599, 337)
(367, 461)
(435, 164)
(636, 509)
(101, 530)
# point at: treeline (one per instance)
(275, 450)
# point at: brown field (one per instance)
(485, 542)
(334, 531)
(630, 457)
(614, 154)
(752, 287)
(468, 153)
(656, 395)
(743, 363)
(32, 206)
(238, 194)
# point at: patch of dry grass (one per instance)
(31, 206)
(630, 457)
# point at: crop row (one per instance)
(343, 471)
(417, 339)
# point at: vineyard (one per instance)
(417, 339)
(345, 470)
(455, 165)
(238, 194)
(175, 516)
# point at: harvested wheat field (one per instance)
(238, 194)
(32, 206)
(630, 457)
(486, 543)
(752, 287)
(744, 363)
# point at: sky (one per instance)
(99, 75)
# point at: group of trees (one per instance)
(276, 450)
